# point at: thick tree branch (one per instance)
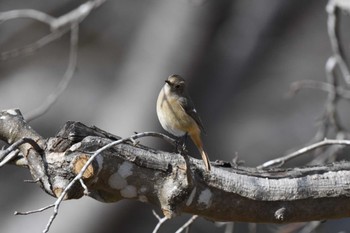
(131, 171)
(12, 129)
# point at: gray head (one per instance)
(176, 83)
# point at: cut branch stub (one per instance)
(79, 162)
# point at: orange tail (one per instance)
(198, 142)
(205, 159)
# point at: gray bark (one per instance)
(175, 184)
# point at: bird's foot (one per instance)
(181, 147)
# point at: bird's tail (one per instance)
(198, 142)
(205, 159)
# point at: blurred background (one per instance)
(239, 58)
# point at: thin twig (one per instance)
(310, 227)
(26, 13)
(31, 48)
(160, 221)
(282, 160)
(156, 215)
(59, 26)
(34, 211)
(330, 116)
(18, 143)
(35, 15)
(229, 227)
(323, 86)
(10, 152)
(333, 33)
(330, 106)
(32, 181)
(251, 227)
(10, 156)
(287, 228)
(187, 224)
(162, 136)
(86, 190)
(303, 227)
(67, 77)
(76, 15)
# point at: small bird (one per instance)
(177, 115)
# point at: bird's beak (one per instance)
(167, 81)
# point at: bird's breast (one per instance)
(172, 116)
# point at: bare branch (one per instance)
(31, 48)
(282, 160)
(161, 136)
(113, 169)
(15, 145)
(59, 26)
(229, 228)
(67, 77)
(34, 211)
(8, 156)
(86, 190)
(333, 33)
(187, 224)
(160, 221)
(12, 151)
(76, 15)
(331, 114)
(251, 227)
(310, 227)
(323, 86)
(27, 13)
(12, 129)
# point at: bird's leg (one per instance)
(181, 145)
(181, 149)
(184, 140)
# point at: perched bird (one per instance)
(177, 114)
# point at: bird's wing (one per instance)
(187, 105)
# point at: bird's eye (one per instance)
(177, 86)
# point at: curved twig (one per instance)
(67, 77)
(282, 160)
